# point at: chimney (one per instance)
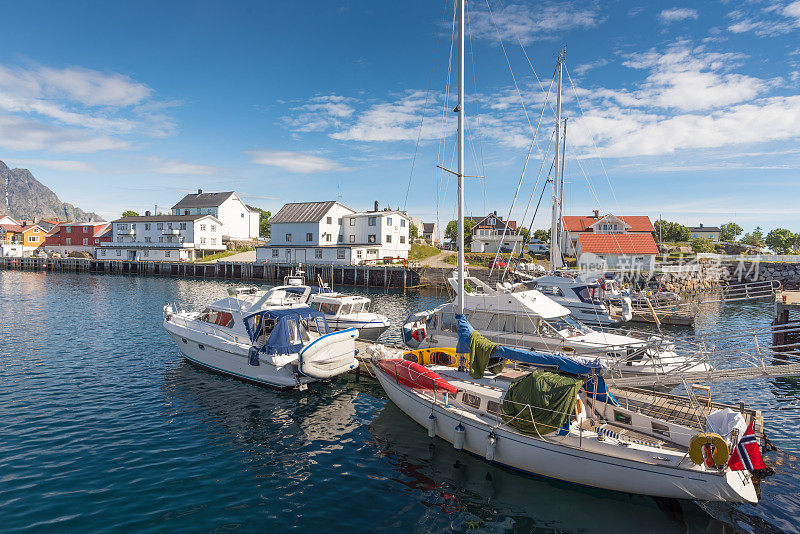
(596, 214)
(495, 213)
(147, 214)
(376, 206)
(199, 191)
(701, 225)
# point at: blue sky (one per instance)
(694, 108)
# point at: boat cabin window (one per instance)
(493, 407)
(567, 326)
(448, 322)
(514, 324)
(346, 308)
(267, 325)
(295, 336)
(471, 400)
(328, 308)
(221, 318)
(588, 293)
(550, 290)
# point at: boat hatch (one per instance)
(284, 331)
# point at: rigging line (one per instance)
(424, 108)
(477, 113)
(443, 138)
(591, 134)
(524, 51)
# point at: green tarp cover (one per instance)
(551, 398)
(480, 355)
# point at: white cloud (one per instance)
(583, 68)
(528, 23)
(677, 14)
(17, 133)
(320, 113)
(180, 168)
(55, 164)
(291, 161)
(775, 19)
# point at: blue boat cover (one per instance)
(539, 359)
(283, 321)
(299, 290)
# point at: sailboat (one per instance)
(561, 420)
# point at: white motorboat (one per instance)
(516, 316)
(283, 346)
(585, 297)
(349, 311)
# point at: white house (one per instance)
(492, 233)
(163, 237)
(7, 219)
(331, 233)
(240, 221)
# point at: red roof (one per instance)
(638, 223)
(618, 243)
(11, 227)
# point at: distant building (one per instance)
(708, 232)
(240, 221)
(68, 237)
(10, 232)
(163, 238)
(331, 233)
(617, 242)
(8, 219)
(428, 233)
(492, 234)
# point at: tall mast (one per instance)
(555, 248)
(461, 126)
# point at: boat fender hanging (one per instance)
(458, 439)
(431, 426)
(714, 446)
(490, 445)
(253, 354)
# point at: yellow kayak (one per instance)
(438, 356)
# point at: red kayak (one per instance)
(415, 376)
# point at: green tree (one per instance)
(754, 239)
(729, 232)
(701, 244)
(524, 233)
(130, 213)
(781, 240)
(263, 222)
(671, 232)
(451, 233)
(542, 235)
(413, 231)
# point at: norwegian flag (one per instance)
(747, 455)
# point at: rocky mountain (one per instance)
(24, 197)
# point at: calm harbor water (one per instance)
(103, 427)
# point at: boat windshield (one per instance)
(567, 326)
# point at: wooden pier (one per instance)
(786, 337)
(377, 276)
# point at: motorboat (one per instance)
(349, 311)
(562, 421)
(286, 346)
(526, 318)
(585, 297)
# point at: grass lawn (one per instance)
(420, 251)
(219, 255)
(482, 259)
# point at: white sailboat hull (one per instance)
(570, 463)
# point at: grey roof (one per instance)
(704, 229)
(203, 200)
(296, 212)
(161, 218)
(427, 228)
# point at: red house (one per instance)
(68, 237)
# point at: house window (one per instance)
(318, 253)
(371, 238)
(352, 238)
(32, 239)
(340, 239)
(358, 254)
(309, 236)
(103, 252)
(402, 239)
(329, 220)
(288, 238)
(242, 215)
(85, 230)
(85, 241)
(133, 226)
(492, 221)
(183, 226)
(202, 227)
(213, 227)
(328, 238)
(148, 239)
(388, 221)
(339, 220)
(372, 221)
(288, 253)
(274, 252)
(119, 240)
(69, 240)
(69, 228)
(166, 253)
(353, 221)
(202, 240)
(213, 240)
(186, 212)
(147, 226)
(388, 238)
(402, 223)
(146, 252)
(340, 254)
(160, 226)
(119, 253)
(161, 239)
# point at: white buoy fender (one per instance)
(627, 309)
(458, 440)
(492, 441)
(431, 426)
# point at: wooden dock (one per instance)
(377, 276)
